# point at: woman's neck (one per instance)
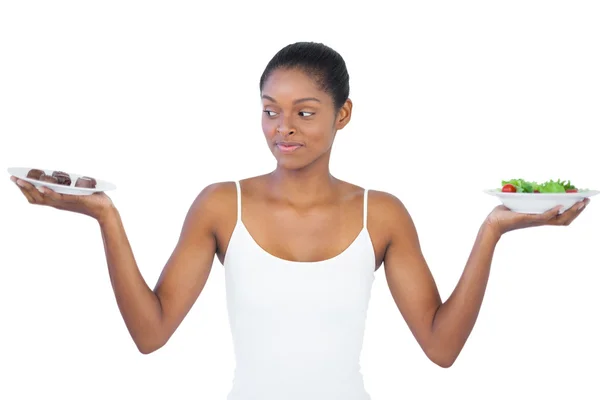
(304, 186)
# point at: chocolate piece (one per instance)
(48, 178)
(85, 182)
(35, 174)
(62, 177)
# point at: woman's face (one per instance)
(299, 120)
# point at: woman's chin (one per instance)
(291, 164)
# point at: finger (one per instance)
(24, 184)
(57, 200)
(546, 218)
(549, 215)
(27, 195)
(572, 213)
(50, 196)
(576, 208)
(31, 192)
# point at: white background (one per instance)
(162, 99)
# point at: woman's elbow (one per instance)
(149, 346)
(444, 363)
(443, 359)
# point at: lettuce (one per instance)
(551, 186)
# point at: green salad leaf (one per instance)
(522, 185)
(551, 186)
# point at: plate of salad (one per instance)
(530, 197)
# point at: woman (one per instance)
(300, 249)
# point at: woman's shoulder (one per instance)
(215, 200)
(217, 192)
(220, 198)
(383, 199)
(386, 208)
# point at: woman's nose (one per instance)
(285, 128)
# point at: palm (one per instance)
(505, 220)
(81, 204)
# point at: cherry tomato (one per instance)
(508, 188)
(571, 190)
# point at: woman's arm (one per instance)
(152, 316)
(442, 328)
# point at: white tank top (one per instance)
(297, 327)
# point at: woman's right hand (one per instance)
(95, 205)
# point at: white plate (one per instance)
(101, 186)
(539, 203)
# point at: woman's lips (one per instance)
(288, 147)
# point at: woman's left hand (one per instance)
(503, 220)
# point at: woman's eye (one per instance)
(305, 113)
(270, 113)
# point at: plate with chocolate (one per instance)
(62, 182)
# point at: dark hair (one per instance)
(325, 65)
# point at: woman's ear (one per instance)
(344, 115)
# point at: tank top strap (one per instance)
(239, 200)
(365, 208)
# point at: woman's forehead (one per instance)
(291, 85)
